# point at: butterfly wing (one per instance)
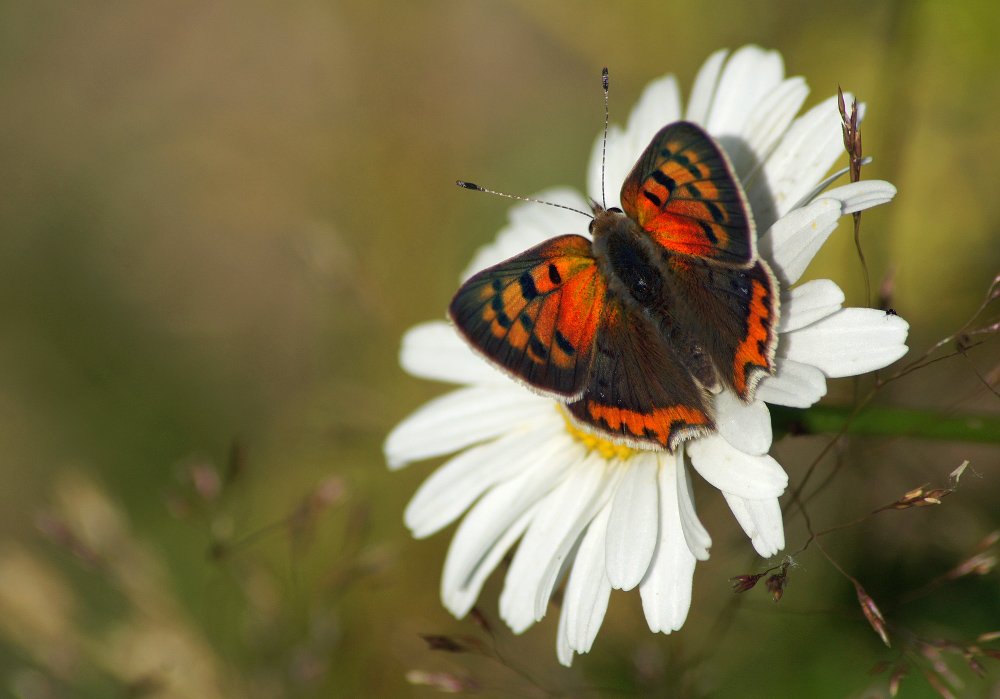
(639, 391)
(684, 194)
(536, 314)
(733, 315)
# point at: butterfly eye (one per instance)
(616, 210)
(590, 226)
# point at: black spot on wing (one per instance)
(715, 211)
(685, 163)
(653, 198)
(709, 233)
(528, 289)
(664, 180)
(554, 275)
(537, 348)
(565, 345)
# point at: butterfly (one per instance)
(636, 328)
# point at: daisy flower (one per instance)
(599, 514)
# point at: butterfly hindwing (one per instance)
(733, 314)
(684, 194)
(536, 314)
(639, 391)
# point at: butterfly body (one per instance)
(636, 328)
(642, 279)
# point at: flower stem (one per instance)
(878, 421)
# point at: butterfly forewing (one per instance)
(639, 391)
(536, 314)
(682, 191)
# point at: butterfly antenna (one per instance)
(604, 143)
(477, 188)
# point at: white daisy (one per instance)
(608, 516)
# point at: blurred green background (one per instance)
(217, 221)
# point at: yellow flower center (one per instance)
(591, 442)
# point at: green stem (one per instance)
(895, 422)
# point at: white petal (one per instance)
(745, 426)
(531, 224)
(858, 196)
(768, 122)
(791, 243)
(659, 105)
(483, 538)
(807, 303)
(739, 509)
(564, 654)
(459, 482)
(587, 592)
(761, 520)
(808, 150)
(697, 538)
(820, 187)
(749, 75)
(733, 471)
(849, 342)
(703, 91)
(462, 418)
(743, 115)
(666, 589)
(435, 351)
(766, 515)
(562, 516)
(459, 600)
(794, 385)
(634, 523)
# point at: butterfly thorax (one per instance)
(624, 259)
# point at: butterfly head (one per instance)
(605, 220)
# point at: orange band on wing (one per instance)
(660, 424)
(753, 351)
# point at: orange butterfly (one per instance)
(636, 329)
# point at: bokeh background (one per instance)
(218, 219)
